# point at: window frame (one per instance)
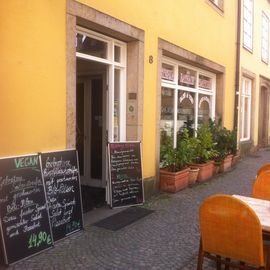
(248, 47)
(197, 90)
(265, 38)
(243, 113)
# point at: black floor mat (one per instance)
(124, 218)
(92, 197)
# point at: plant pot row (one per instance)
(175, 181)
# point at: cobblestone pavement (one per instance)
(165, 239)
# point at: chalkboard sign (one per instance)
(62, 184)
(25, 226)
(125, 168)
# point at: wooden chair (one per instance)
(265, 167)
(261, 186)
(231, 234)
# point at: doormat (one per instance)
(124, 218)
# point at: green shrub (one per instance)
(205, 147)
(224, 140)
(176, 159)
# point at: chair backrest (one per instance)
(231, 229)
(261, 186)
(265, 167)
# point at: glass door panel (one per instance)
(116, 113)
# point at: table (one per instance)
(261, 208)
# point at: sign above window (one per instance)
(167, 72)
(187, 77)
(205, 82)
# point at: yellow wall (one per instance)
(252, 61)
(33, 63)
(32, 76)
(194, 25)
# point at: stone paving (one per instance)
(165, 239)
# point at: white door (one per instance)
(99, 59)
(91, 129)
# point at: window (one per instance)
(218, 3)
(245, 109)
(248, 24)
(265, 38)
(187, 97)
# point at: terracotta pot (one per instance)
(206, 171)
(226, 163)
(193, 175)
(216, 168)
(235, 160)
(173, 181)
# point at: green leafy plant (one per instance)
(176, 159)
(205, 147)
(224, 140)
(233, 142)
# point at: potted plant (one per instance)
(194, 169)
(222, 144)
(174, 170)
(205, 153)
(233, 147)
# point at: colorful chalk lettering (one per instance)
(35, 240)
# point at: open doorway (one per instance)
(91, 139)
(100, 109)
(263, 117)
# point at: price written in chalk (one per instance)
(36, 240)
(73, 226)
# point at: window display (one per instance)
(187, 97)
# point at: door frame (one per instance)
(263, 134)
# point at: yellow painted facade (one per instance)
(251, 63)
(32, 72)
(33, 63)
(193, 25)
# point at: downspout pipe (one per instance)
(237, 68)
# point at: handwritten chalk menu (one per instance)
(125, 173)
(25, 226)
(62, 185)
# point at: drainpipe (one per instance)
(237, 69)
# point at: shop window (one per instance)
(248, 24)
(187, 100)
(205, 82)
(167, 72)
(117, 54)
(204, 106)
(265, 38)
(187, 77)
(167, 111)
(186, 110)
(245, 109)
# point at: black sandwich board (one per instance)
(25, 227)
(62, 184)
(125, 173)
